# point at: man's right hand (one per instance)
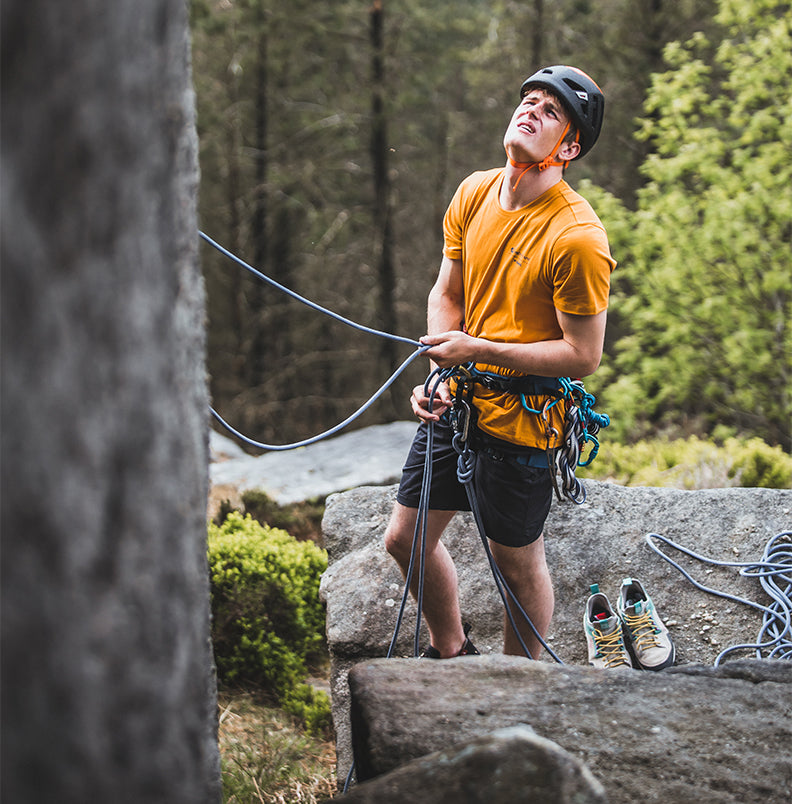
(420, 401)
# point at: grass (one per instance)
(267, 759)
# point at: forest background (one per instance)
(333, 136)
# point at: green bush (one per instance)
(303, 520)
(267, 619)
(693, 463)
(758, 464)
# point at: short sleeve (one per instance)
(582, 265)
(453, 227)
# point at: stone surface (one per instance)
(723, 736)
(107, 685)
(507, 766)
(601, 542)
(371, 456)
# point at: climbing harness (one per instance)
(774, 571)
(581, 422)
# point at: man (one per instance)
(522, 292)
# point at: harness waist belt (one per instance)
(528, 384)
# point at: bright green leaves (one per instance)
(707, 262)
(267, 619)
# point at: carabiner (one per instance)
(460, 418)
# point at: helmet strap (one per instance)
(547, 162)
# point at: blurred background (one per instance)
(333, 136)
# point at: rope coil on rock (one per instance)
(774, 571)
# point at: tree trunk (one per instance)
(537, 35)
(382, 190)
(108, 691)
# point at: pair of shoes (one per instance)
(634, 636)
(468, 648)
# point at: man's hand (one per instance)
(451, 348)
(575, 354)
(420, 401)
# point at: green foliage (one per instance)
(267, 619)
(303, 520)
(703, 297)
(693, 463)
(757, 464)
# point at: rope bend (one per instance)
(419, 350)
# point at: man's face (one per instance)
(535, 126)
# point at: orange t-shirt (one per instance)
(518, 268)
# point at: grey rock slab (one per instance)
(602, 542)
(649, 737)
(371, 456)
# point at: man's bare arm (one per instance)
(576, 354)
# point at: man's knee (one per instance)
(522, 564)
(399, 533)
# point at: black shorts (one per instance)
(514, 491)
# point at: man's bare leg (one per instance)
(440, 593)
(526, 573)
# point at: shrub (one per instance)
(303, 520)
(693, 463)
(758, 464)
(267, 619)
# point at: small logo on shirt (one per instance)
(518, 256)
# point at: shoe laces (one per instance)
(642, 630)
(611, 648)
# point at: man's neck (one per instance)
(521, 187)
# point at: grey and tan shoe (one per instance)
(647, 635)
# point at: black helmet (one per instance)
(582, 98)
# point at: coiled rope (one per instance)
(774, 571)
(581, 425)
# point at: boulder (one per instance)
(371, 456)
(508, 765)
(706, 736)
(601, 541)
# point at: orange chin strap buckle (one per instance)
(547, 162)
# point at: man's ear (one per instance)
(568, 151)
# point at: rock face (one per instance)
(719, 736)
(509, 765)
(108, 693)
(602, 542)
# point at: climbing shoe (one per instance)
(468, 648)
(646, 634)
(604, 636)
